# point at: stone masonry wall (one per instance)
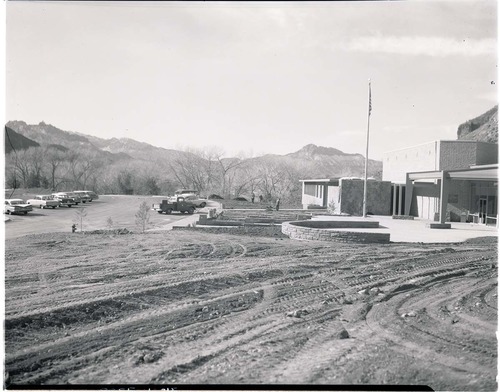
(378, 197)
(308, 233)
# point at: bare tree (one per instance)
(54, 162)
(142, 216)
(80, 215)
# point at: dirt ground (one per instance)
(192, 307)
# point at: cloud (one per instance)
(423, 46)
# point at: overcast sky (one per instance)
(252, 77)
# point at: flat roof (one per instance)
(434, 142)
(321, 180)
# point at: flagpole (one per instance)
(367, 142)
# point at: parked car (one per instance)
(196, 200)
(17, 206)
(84, 195)
(64, 199)
(93, 195)
(77, 199)
(43, 201)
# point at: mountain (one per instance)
(16, 141)
(328, 162)
(47, 135)
(135, 149)
(483, 128)
(308, 162)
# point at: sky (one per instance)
(253, 78)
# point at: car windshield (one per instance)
(13, 202)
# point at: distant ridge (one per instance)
(310, 161)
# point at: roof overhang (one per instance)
(476, 173)
(322, 181)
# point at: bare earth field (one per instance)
(194, 307)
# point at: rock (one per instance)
(297, 313)
(148, 358)
(343, 334)
(411, 314)
(363, 292)
(374, 290)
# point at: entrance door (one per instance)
(483, 209)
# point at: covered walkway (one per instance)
(488, 173)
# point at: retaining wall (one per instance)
(298, 230)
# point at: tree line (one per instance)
(205, 170)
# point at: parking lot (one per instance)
(120, 208)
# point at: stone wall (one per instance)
(292, 230)
(378, 197)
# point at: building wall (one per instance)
(396, 164)
(461, 154)
(312, 194)
(334, 198)
(438, 155)
(378, 195)
(487, 153)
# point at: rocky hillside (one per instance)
(483, 128)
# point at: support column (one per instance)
(443, 196)
(409, 194)
(393, 206)
(400, 188)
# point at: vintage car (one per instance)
(84, 195)
(17, 206)
(43, 201)
(77, 199)
(196, 200)
(64, 199)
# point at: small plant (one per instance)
(109, 223)
(142, 216)
(332, 207)
(80, 215)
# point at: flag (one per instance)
(370, 98)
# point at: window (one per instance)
(310, 190)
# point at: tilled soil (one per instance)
(184, 307)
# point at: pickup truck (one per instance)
(17, 206)
(179, 204)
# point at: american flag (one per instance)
(370, 98)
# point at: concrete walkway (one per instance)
(417, 231)
(400, 230)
